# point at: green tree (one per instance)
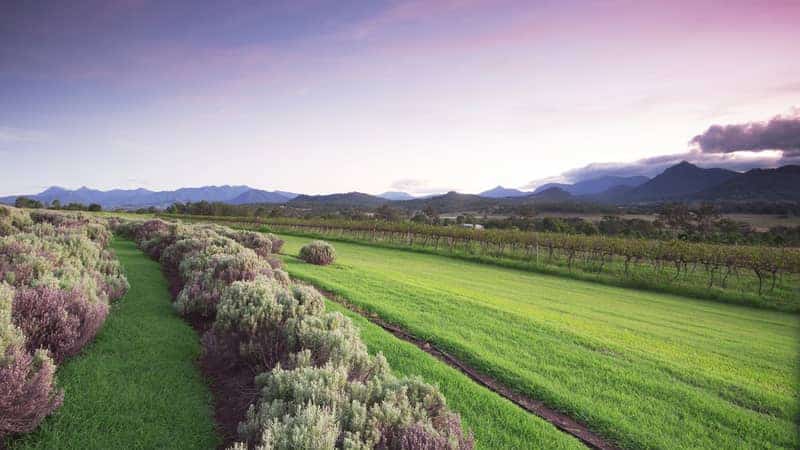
(25, 202)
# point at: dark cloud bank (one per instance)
(779, 133)
(737, 147)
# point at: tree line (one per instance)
(25, 202)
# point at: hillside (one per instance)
(347, 200)
(501, 192)
(553, 194)
(678, 182)
(254, 196)
(782, 183)
(449, 202)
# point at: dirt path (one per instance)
(558, 419)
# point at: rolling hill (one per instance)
(501, 192)
(449, 202)
(254, 196)
(346, 200)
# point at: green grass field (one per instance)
(741, 289)
(496, 422)
(136, 386)
(646, 370)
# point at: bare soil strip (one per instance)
(558, 419)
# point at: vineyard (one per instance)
(755, 275)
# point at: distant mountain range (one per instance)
(584, 187)
(139, 198)
(687, 182)
(681, 182)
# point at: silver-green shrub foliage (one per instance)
(318, 252)
(319, 388)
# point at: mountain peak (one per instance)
(680, 181)
(53, 189)
(682, 166)
(502, 192)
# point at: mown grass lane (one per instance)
(137, 386)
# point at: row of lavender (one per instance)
(57, 278)
(316, 386)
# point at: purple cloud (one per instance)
(779, 133)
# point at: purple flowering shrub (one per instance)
(277, 243)
(150, 229)
(27, 384)
(258, 242)
(22, 262)
(274, 262)
(61, 322)
(56, 278)
(27, 390)
(60, 219)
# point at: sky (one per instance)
(423, 96)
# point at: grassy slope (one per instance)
(740, 290)
(647, 370)
(496, 422)
(136, 386)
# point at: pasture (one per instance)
(643, 369)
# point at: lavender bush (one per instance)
(318, 252)
(59, 321)
(56, 279)
(319, 388)
(27, 384)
